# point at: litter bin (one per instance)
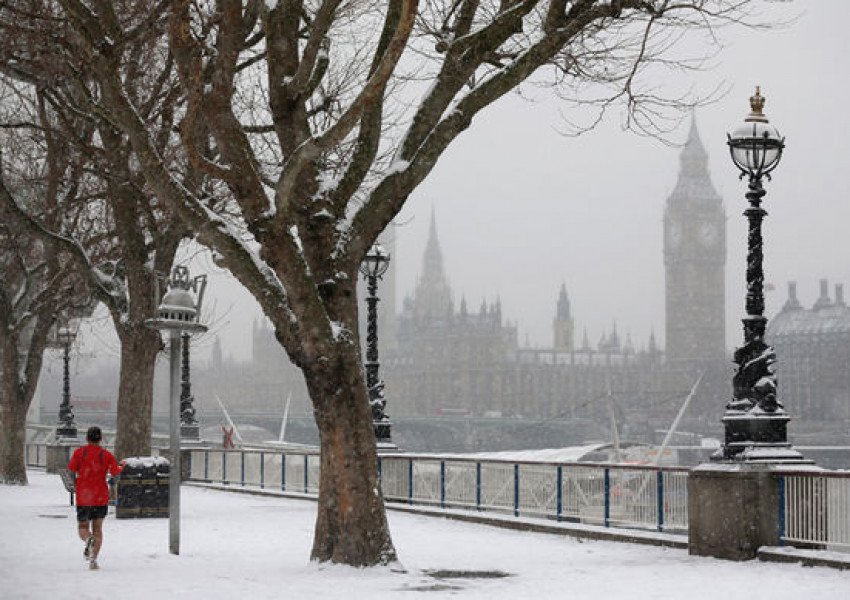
(143, 488)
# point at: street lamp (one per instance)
(65, 336)
(374, 266)
(190, 430)
(755, 422)
(177, 314)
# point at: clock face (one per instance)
(675, 233)
(708, 234)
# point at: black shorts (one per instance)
(90, 513)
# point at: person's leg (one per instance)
(83, 530)
(83, 520)
(97, 531)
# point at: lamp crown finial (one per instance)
(756, 107)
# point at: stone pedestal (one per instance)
(186, 447)
(190, 433)
(58, 457)
(733, 509)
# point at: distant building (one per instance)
(813, 358)
(450, 360)
(694, 262)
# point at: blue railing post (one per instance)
(607, 493)
(478, 486)
(224, 467)
(516, 490)
(262, 470)
(189, 465)
(559, 494)
(207, 466)
(442, 484)
(306, 473)
(781, 525)
(410, 481)
(282, 472)
(659, 498)
(242, 473)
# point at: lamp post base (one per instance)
(383, 437)
(757, 437)
(66, 432)
(190, 433)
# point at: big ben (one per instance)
(695, 261)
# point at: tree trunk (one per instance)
(13, 423)
(139, 347)
(351, 525)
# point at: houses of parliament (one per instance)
(442, 359)
(451, 360)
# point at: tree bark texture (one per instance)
(134, 426)
(13, 416)
(351, 525)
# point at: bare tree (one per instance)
(123, 236)
(319, 118)
(37, 280)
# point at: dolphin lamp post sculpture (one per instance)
(177, 313)
(755, 422)
(374, 265)
(66, 429)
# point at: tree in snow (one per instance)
(316, 120)
(132, 238)
(38, 282)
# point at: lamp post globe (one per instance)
(374, 265)
(376, 262)
(755, 145)
(755, 421)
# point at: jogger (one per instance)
(91, 463)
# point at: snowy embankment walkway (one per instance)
(236, 546)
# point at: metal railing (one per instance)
(284, 471)
(636, 496)
(610, 495)
(814, 509)
(814, 505)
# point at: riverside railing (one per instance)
(631, 496)
(814, 509)
(814, 505)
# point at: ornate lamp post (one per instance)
(190, 430)
(374, 266)
(755, 421)
(65, 336)
(178, 314)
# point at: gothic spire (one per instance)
(563, 312)
(433, 296)
(694, 184)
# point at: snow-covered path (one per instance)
(237, 546)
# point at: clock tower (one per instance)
(694, 262)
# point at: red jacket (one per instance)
(91, 464)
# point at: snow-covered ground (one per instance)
(237, 546)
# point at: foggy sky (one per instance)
(522, 208)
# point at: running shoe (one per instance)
(89, 547)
